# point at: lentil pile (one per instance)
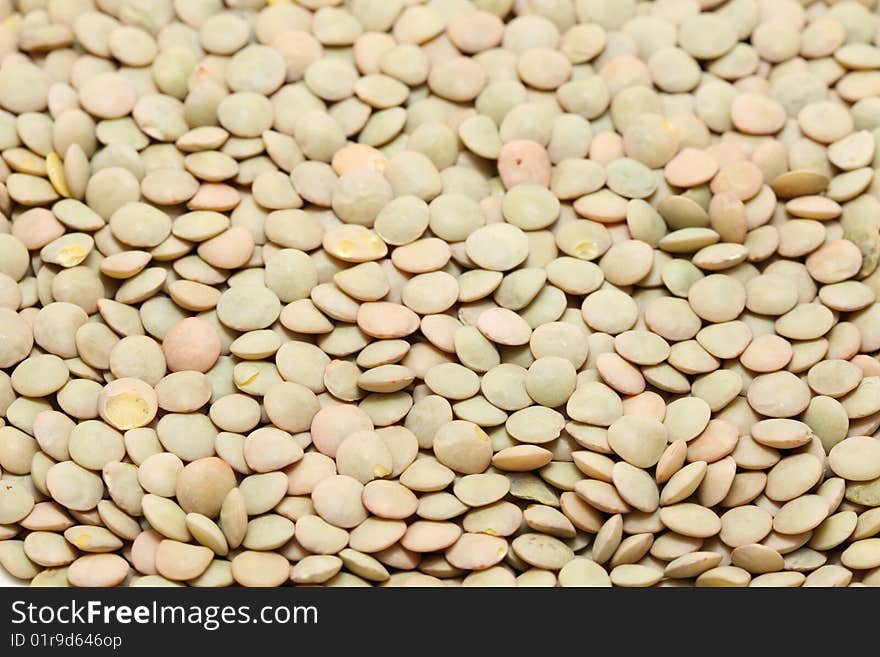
(455, 292)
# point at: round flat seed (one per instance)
(627, 262)
(504, 327)
(581, 572)
(692, 564)
(98, 570)
(203, 484)
(386, 320)
(430, 536)
(724, 576)
(596, 403)
(834, 530)
(745, 525)
(800, 182)
(476, 551)
(73, 486)
(521, 458)
(779, 395)
(16, 502)
(862, 554)
(635, 575)
(717, 298)
(364, 456)
(353, 243)
(17, 338)
(497, 247)
(388, 499)
(691, 520)
(260, 569)
(690, 167)
(781, 433)
(757, 115)
(706, 36)
(268, 449)
(180, 561)
(636, 487)
(463, 446)
(535, 424)
(140, 225)
(610, 311)
(639, 440)
(800, 515)
(39, 376)
(793, 476)
(128, 403)
(93, 444)
(542, 551)
(855, 458)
